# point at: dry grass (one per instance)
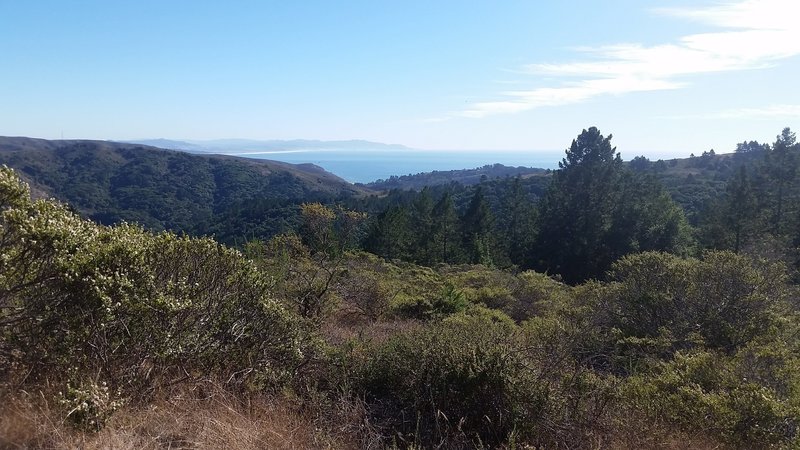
(221, 421)
(343, 328)
(217, 421)
(635, 432)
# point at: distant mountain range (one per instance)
(235, 146)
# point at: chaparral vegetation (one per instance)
(604, 305)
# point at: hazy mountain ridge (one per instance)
(233, 146)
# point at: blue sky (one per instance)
(664, 77)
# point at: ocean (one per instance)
(364, 166)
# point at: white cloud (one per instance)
(748, 14)
(757, 34)
(765, 112)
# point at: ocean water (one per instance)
(363, 166)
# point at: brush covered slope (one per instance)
(120, 337)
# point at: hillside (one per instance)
(696, 181)
(162, 189)
(464, 176)
(559, 311)
(692, 182)
(236, 199)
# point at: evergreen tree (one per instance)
(596, 211)
(423, 227)
(389, 234)
(741, 207)
(518, 225)
(575, 213)
(445, 230)
(782, 167)
(477, 230)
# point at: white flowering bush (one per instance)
(134, 306)
(89, 405)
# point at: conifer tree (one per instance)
(477, 230)
(596, 211)
(423, 227)
(445, 230)
(782, 167)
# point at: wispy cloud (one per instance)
(766, 112)
(755, 34)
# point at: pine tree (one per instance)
(518, 230)
(445, 230)
(596, 211)
(477, 230)
(782, 168)
(741, 207)
(389, 234)
(576, 212)
(423, 233)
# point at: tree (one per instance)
(477, 224)
(729, 220)
(782, 167)
(596, 211)
(445, 229)
(751, 148)
(575, 213)
(640, 163)
(646, 218)
(741, 207)
(306, 267)
(389, 234)
(422, 217)
(518, 229)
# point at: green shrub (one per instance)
(458, 381)
(722, 301)
(89, 405)
(132, 305)
(520, 296)
(704, 391)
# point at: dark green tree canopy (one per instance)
(597, 210)
(590, 148)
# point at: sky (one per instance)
(666, 78)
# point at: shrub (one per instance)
(89, 405)
(722, 302)
(458, 381)
(704, 391)
(132, 305)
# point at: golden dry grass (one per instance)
(219, 421)
(183, 422)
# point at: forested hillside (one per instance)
(596, 208)
(464, 176)
(236, 199)
(169, 190)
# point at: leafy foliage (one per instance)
(595, 212)
(133, 306)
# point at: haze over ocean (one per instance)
(366, 166)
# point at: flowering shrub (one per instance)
(133, 305)
(89, 405)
